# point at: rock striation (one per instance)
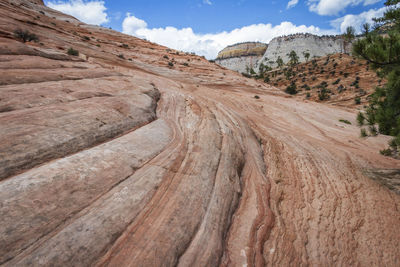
(133, 154)
(241, 57)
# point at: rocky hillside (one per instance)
(339, 79)
(119, 152)
(241, 57)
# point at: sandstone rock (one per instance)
(128, 161)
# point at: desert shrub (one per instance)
(363, 133)
(291, 89)
(25, 36)
(72, 52)
(345, 121)
(308, 95)
(186, 64)
(256, 97)
(86, 38)
(386, 152)
(336, 82)
(323, 94)
(166, 57)
(121, 56)
(170, 64)
(372, 130)
(360, 119)
(341, 88)
(357, 100)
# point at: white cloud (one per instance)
(131, 24)
(357, 21)
(210, 44)
(292, 3)
(91, 12)
(334, 7)
(207, 2)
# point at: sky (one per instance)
(207, 26)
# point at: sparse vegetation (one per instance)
(170, 64)
(345, 121)
(72, 52)
(25, 36)
(291, 89)
(363, 133)
(360, 119)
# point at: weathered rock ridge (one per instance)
(241, 57)
(132, 154)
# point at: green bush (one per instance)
(360, 119)
(372, 130)
(386, 152)
(357, 100)
(323, 94)
(363, 133)
(72, 52)
(291, 89)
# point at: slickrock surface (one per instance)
(115, 158)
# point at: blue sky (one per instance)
(207, 26)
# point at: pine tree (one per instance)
(279, 61)
(294, 59)
(381, 47)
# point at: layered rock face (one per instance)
(116, 158)
(241, 57)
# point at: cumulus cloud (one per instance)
(209, 45)
(334, 7)
(292, 3)
(91, 12)
(358, 20)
